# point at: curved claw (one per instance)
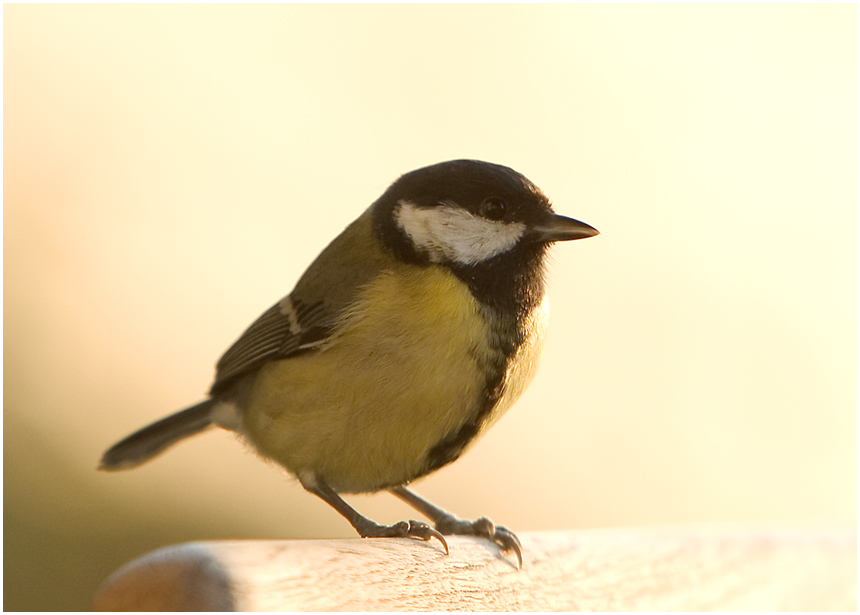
(508, 541)
(404, 529)
(502, 536)
(422, 531)
(450, 525)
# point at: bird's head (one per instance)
(468, 212)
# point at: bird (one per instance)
(409, 335)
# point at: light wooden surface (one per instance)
(607, 570)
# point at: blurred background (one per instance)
(170, 171)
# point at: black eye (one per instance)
(493, 208)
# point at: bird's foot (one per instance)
(448, 524)
(403, 529)
(484, 528)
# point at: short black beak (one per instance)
(559, 228)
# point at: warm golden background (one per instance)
(169, 172)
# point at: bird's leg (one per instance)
(449, 524)
(364, 526)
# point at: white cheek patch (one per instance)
(448, 232)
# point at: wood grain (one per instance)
(607, 570)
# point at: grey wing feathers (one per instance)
(260, 342)
(287, 328)
(304, 320)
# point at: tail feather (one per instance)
(148, 442)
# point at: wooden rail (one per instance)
(597, 570)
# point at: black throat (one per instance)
(509, 287)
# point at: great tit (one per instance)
(407, 337)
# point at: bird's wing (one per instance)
(304, 320)
(287, 328)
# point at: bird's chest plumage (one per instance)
(432, 375)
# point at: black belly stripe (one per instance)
(450, 447)
(509, 287)
(508, 317)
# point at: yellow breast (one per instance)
(396, 378)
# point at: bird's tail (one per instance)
(148, 442)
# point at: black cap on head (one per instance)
(469, 183)
(501, 260)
